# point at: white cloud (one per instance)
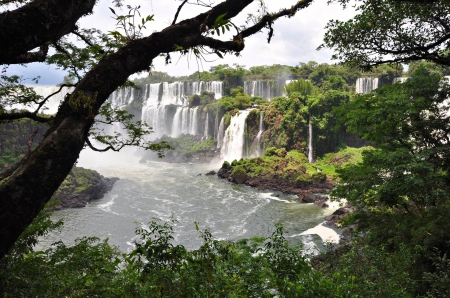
(295, 39)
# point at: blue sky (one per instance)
(295, 39)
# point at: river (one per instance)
(161, 189)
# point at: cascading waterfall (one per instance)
(233, 141)
(157, 99)
(366, 85)
(216, 126)
(122, 97)
(220, 133)
(206, 131)
(258, 88)
(310, 142)
(185, 120)
(51, 107)
(193, 121)
(255, 149)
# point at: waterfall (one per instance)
(51, 107)
(206, 132)
(255, 149)
(193, 121)
(121, 97)
(310, 142)
(220, 133)
(399, 80)
(158, 101)
(258, 88)
(216, 126)
(366, 85)
(177, 122)
(214, 86)
(185, 120)
(233, 141)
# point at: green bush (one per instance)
(226, 165)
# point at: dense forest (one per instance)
(396, 242)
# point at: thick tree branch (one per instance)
(24, 114)
(37, 23)
(29, 57)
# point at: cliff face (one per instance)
(82, 186)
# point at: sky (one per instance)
(295, 40)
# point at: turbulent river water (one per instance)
(162, 189)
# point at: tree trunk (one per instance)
(25, 193)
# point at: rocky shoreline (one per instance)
(306, 192)
(82, 186)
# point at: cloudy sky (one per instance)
(295, 39)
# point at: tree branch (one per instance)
(29, 57)
(270, 18)
(37, 23)
(88, 142)
(178, 11)
(6, 117)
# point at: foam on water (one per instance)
(326, 234)
(107, 206)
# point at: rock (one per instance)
(224, 173)
(306, 199)
(333, 219)
(321, 204)
(199, 174)
(211, 173)
(82, 186)
(240, 177)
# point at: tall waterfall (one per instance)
(159, 98)
(51, 107)
(221, 133)
(206, 130)
(310, 142)
(216, 127)
(122, 97)
(233, 141)
(255, 149)
(193, 121)
(366, 85)
(258, 88)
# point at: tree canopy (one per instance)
(392, 31)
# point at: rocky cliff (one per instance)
(82, 186)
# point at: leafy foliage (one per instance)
(391, 31)
(293, 166)
(257, 267)
(400, 188)
(408, 124)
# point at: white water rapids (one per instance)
(162, 190)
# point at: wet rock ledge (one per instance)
(80, 187)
